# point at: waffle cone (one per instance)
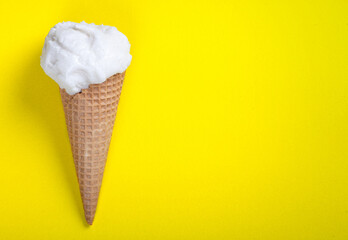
(90, 117)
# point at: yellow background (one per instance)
(232, 124)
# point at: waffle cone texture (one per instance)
(90, 117)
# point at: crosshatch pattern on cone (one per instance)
(90, 117)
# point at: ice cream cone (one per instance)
(90, 117)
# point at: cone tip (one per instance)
(89, 221)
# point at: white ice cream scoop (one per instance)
(76, 55)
